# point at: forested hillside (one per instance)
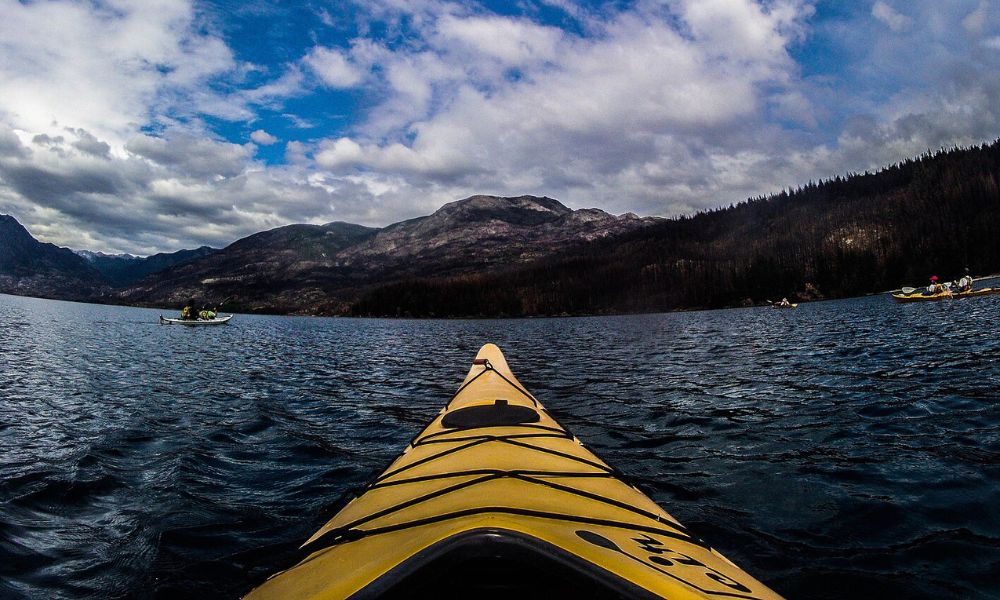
(852, 235)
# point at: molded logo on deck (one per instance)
(682, 567)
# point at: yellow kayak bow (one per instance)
(495, 499)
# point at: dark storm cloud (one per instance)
(196, 157)
(91, 197)
(44, 139)
(53, 144)
(193, 208)
(88, 144)
(49, 187)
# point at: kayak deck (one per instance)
(495, 498)
(195, 322)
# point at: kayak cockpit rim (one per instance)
(498, 561)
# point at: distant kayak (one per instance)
(792, 305)
(195, 322)
(924, 297)
(495, 499)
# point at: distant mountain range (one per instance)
(32, 268)
(492, 256)
(313, 269)
(121, 270)
(324, 269)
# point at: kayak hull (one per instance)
(921, 297)
(990, 291)
(495, 497)
(195, 322)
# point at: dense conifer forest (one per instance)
(862, 233)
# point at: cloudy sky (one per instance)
(152, 125)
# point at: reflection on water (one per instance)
(843, 449)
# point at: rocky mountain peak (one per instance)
(522, 210)
(96, 256)
(30, 267)
(483, 230)
(12, 230)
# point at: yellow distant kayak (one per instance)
(925, 297)
(495, 499)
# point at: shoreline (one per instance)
(477, 317)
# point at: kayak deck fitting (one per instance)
(495, 499)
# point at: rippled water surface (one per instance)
(843, 449)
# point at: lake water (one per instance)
(842, 449)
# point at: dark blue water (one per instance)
(843, 449)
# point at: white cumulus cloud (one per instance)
(263, 138)
(895, 20)
(333, 67)
(104, 69)
(502, 104)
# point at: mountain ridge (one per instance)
(937, 214)
(31, 267)
(322, 269)
(121, 270)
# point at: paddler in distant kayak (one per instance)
(934, 287)
(189, 312)
(965, 283)
(206, 314)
